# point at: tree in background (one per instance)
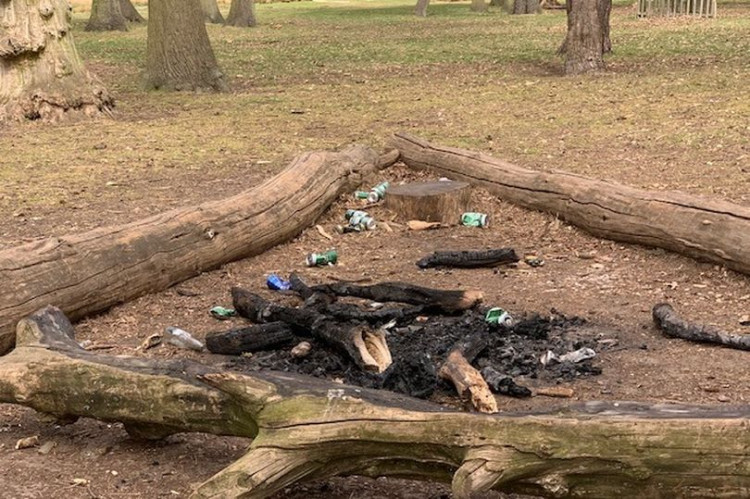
(130, 13)
(588, 36)
(178, 52)
(211, 11)
(106, 15)
(478, 6)
(421, 9)
(241, 14)
(41, 75)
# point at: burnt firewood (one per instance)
(502, 384)
(469, 259)
(671, 324)
(367, 347)
(253, 338)
(445, 300)
(351, 312)
(469, 383)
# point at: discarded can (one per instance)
(360, 218)
(276, 283)
(328, 258)
(361, 194)
(346, 229)
(378, 192)
(180, 338)
(222, 313)
(349, 214)
(497, 315)
(472, 219)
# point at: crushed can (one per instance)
(276, 283)
(329, 257)
(497, 315)
(473, 219)
(378, 192)
(360, 218)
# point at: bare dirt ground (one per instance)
(612, 285)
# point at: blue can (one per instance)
(276, 283)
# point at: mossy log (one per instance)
(706, 229)
(306, 429)
(87, 273)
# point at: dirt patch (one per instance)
(608, 286)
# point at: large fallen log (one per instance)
(87, 273)
(308, 429)
(706, 229)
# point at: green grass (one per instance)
(671, 112)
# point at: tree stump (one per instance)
(442, 202)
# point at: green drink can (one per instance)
(318, 259)
(473, 219)
(378, 192)
(361, 194)
(497, 315)
(355, 214)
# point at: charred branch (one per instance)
(671, 324)
(469, 259)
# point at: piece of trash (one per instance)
(80, 482)
(548, 357)
(182, 339)
(276, 283)
(555, 391)
(85, 344)
(329, 257)
(150, 342)
(222, 313)
(323, 233)
(422, 225)
(497, 315)
(46, 448)
(422, 318)
(360, 218)
(377, 193)
(578, 355)
(533, 261)
(302, 349)
(297, 111)
(444, 179)
(474, 219)
(28, 442)
(376, 305)
(361, 194)
(745, 320)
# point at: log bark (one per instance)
(307, 429)
(106, 15)
(87, 273)
(671, 324)
(211, 12)
(130, 12)
(705, 229)
(241, 14)
(420, 10)
(469, 259)
(444, 300)
(250, 339)
(429, 201)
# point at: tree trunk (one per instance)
(41, 75)
(106, 15)
(130, 12)
(526, 7)
(584, 44)
(242, 14)
(89, 272)
(478, 6)
(429, 201)
(306, 429)
(702, 228)
(211, 12)
(178, 52)
(421, 9)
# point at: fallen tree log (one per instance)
(87, 273)
(307, 429)
(250, 339)
(706, 229)
(671, 324)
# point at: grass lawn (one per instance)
(671, 112)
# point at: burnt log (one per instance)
(308, 429)
(468, 381)
(469, 259)
(706, 229)
(253, 338)
(449, 301)
(503, 385)
(671, 324)
(89, 272)
(365, 346)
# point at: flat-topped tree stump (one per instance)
(306, 429)
(442, 202)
